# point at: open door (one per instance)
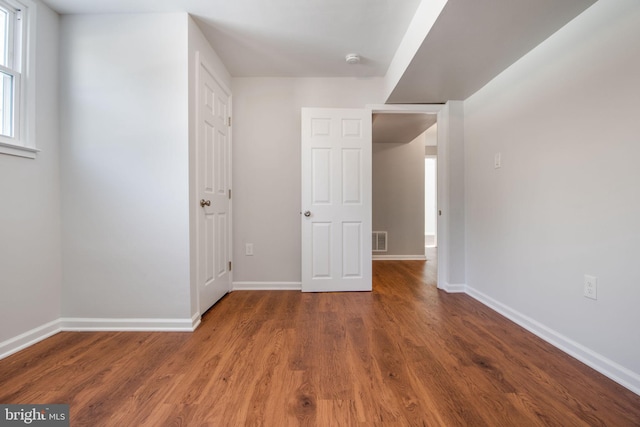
(336, 200)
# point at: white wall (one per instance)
(198, 44)
(266, 166)
(451, 198)
(30, 266)
(455, 171)
(125, 166)
(566, 200)
(399, 195)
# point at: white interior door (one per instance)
(336, 200)
(212, 174)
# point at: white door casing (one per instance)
(336, 200)
(213, 154)
(443, 229)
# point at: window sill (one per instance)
(18, 150)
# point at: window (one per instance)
(16, 81)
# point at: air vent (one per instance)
(379, 241)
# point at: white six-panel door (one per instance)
(212, 175)
(336, 200)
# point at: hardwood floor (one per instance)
(404, 354)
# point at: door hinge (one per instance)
(229, 193)
(229, 121)
(229, 265)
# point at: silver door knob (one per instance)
(307, 214)
(204, 203)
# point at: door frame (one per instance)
(443, 219)
(194, 207)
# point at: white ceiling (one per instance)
(471, 42)
(284, 38)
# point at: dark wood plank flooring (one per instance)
(404, 354)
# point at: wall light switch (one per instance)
(248, 249)
(497, 160)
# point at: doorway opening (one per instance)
(437, 113)
(405, 187)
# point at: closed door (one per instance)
(212, 174)
(336, 200)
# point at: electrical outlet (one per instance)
(590, 286)
(248, 249)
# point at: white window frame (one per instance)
(23, 142)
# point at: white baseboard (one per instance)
(399, 258)
(607, 367)
(148, 325)
(267, 286)
(453, 288)
(195, 321)
(29, 338)
(22, 341)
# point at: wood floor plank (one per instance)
(404, 354)
(372, 399)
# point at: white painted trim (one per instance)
(23, 143)
(399, 258)
(442, 111)
(605, 366)
(453, 288)
(29, 338)
(29, 84)
(195, 321)
(146, 325)
(18, 150)
(35, 335)
(267, 286)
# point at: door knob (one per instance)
(204, 203)
(307, 214)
